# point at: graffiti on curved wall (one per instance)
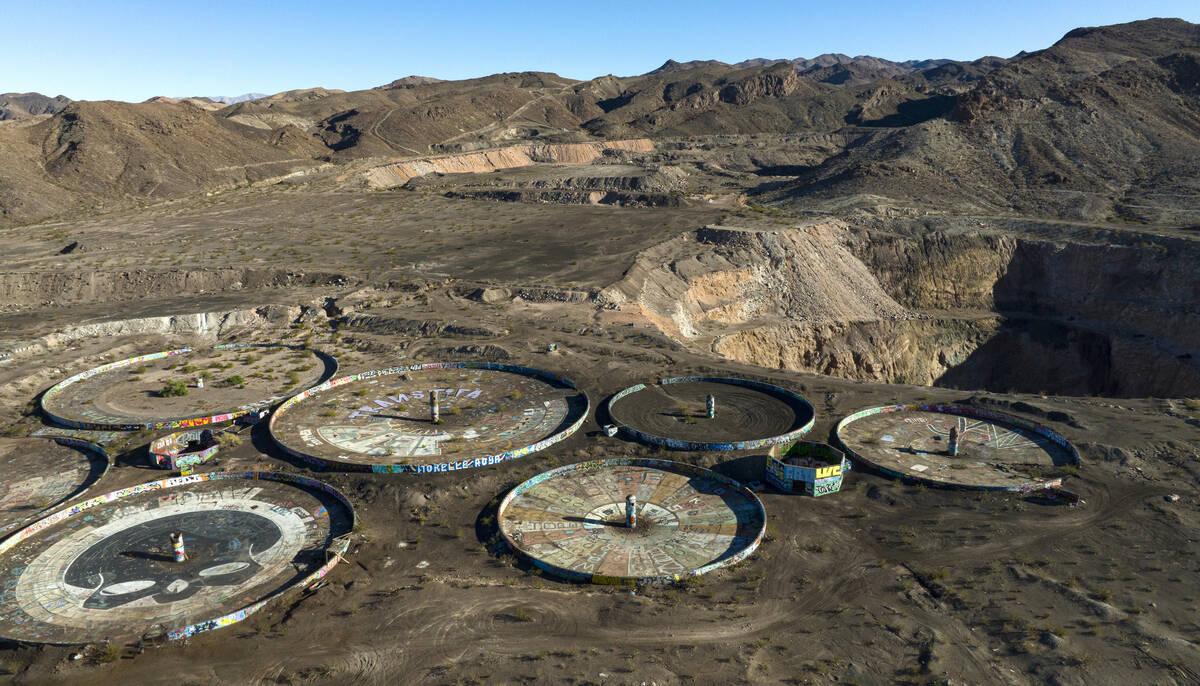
(962, 411)
(167, 452)
(815, 480)
(84, 445)
(337, 549)
(669, 465)
(677, 444)
(469, 463)
(331, 365)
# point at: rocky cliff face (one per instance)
(917, 351)
(778, 82)
(957, 308)
(701, 284)
(484, 161)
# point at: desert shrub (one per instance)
(173, 389)
(228, 440)
(106, 654)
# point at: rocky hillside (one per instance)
(26, 105)
(93, 152)
(939, 305)
(1104, 125)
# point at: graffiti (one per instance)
(816, 468)
(705, 481)
(825, 486)
(10, 355)
(168, 452)
(676, 444)
(337, 549)
(449, 466)
(995, 438)
(37, 481)
(50, 396)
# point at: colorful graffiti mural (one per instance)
(428, 468)
(335, 552)
(49, 406)
(732, 515)
(815, 468)
(171, 451)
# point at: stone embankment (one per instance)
(484, 161)
(23, 290)
(958, 308)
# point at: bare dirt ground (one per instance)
(133, 394)
(881, 583)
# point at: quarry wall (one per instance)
(483, 161)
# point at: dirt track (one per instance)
(880, 583)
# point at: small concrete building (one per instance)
(815, 468)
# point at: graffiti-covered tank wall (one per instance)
(815, 468)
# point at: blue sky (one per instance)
(135, 50)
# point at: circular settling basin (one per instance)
(571, 521)
(748, 414)
(132, 394)
(105, 569)
(383, 420)
(995, 451)
(38, 474)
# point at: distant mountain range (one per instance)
(234, 99)
(825, 67)
(26, 105)
(1085, 128)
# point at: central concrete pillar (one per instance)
(177, 546)
(631, 511)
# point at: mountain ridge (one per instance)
(1087, 115)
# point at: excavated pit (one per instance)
(962, 309)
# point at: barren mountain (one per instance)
(26, 105)
(1009, 235)
(1105, 124)
(98, 151)
(202, 103)
(409, 82)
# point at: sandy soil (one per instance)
(679, 411)
(881, 583)
(232, 379)
(884, 582)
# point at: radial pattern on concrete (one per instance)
(104, 570)
(383, 421)
(571, 521)
(995, 451)
(38, 474)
